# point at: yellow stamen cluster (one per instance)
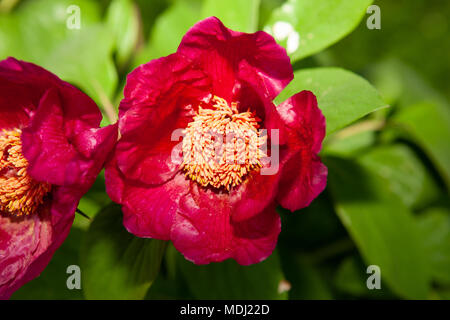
(221, 146)
(19, 193)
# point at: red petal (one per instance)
(205, 234)
(304, 176)
(159, 98)
(148, 210)
(56, 158)
(22, 85)
(27, 244)
(301, 114)
(222, 53)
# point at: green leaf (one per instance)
(306, 27)
(168, 31)
(9, 45)
(229, 280)
(172, 24)
(123, 20)
(81, 56)
(435, 226)
(235, 14)
(85, 60)
(52, 283)
(428, 124)
(343, 96)
(382, 227)
(115, 263)
(404, 173)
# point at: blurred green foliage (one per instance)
(389, 168)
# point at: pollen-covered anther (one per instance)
(221, 146)
(19, 193)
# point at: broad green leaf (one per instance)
(85, 60)
(39, 32)
(235, 14)
(404, 174)
(172, 24)
(123, 20)
(435, 226)
(43, 24)
(9, 45)
(52, 283)
(168, 31)
(115, 263)
(382, 227)
(428, 124)
(343, 96)
(306, 27)
(229, 280)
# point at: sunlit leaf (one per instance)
(123, 20)
(343, 96)
(44, 32)
(235, 14)
(305, 27)
(169, 29)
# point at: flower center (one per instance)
(19, 193)
(221, 146)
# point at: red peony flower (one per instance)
(51, 150)
(215, 201)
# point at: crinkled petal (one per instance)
(205, 234)
(22, 84)
(28, 243)
(301, 114)
(45, 145)
(162, 93)
(56, 158)
(222, 53)
(304, 176)
(21, 241)
(148, 210)
(64, 146)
